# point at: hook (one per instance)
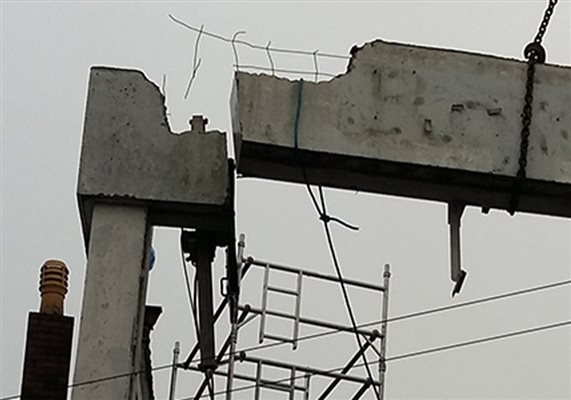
(233, 41)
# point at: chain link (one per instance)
(545, 22)
(535, 54)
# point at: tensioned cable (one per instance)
(326, 218)
(398, 318)
(421, 352)
(482, 300)
(394, 358)
(478, 341)
(99, 380)
(416, 314)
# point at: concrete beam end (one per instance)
(129, 155)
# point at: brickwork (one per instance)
(47, 359)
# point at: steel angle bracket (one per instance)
(457, 274)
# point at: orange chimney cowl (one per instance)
(53, 286)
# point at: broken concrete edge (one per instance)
(158, 90)
(98, 182)
(356, 49)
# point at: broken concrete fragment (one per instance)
(412, 121)
(130, 156)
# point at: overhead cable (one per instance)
(325, 219)
(421, 352)
(425, 312)
(398, 318)
(103, 379)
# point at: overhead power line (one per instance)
(425, 312)
(416, 314)
(421, 352)
(99, 380)
(478, 341)
(398, 318)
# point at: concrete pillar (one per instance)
(113, 303)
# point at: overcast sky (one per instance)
(47, 50)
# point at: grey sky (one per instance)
(47, 49)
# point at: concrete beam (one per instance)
(411, 121)
(130, 156)
(111, 331)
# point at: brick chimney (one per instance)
(48, 340)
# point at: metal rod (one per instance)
(310, 321)
(282, 387)
(258, 379)
(236, 323)
(292, 384)
(312, 371)
(219, 357)
(204, 259)
(384, 327)
(264, 303)
(361, 391)
(217, 315)
(278, 338)
(297, 309)
(346, 369)
(175, 353)
(306, 388)
(282, 291)
(312, 274)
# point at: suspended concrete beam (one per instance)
(135, 173)
(412, 121)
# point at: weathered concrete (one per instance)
(110, 337)
(412, 121)
(130, 156)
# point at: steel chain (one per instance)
(535, 54)
(545, 22)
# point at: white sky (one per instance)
(47, 50)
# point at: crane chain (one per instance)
(535, 54)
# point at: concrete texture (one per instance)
(405, 120)
(111, 330)
(130, 156)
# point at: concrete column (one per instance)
(113, 303)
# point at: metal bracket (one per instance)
(457, 274)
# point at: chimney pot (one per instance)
(53, 286)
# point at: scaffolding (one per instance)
(300, 376)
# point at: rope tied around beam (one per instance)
(321, 211)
